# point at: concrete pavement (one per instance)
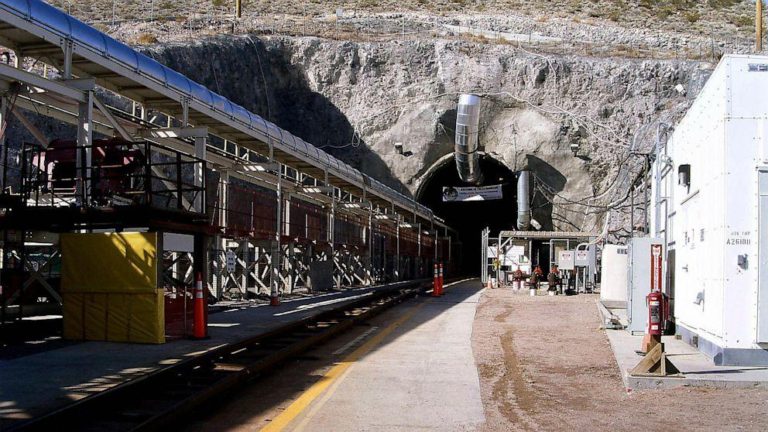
(38, 383)
(697, 370)
(420, 376)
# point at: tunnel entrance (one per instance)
(470, 218)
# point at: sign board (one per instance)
(174, 242)
(566, 260)
(464, 194)
(231, 261)
(582, 258)
(514, 257)
(656, 267)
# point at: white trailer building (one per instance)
(710, 204)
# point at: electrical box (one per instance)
(613, 286)
(646, 268)
(566, 260)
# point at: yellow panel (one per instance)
(95, 316)
(147, 318)
(73, 316)
(118, 316)
(109, 262)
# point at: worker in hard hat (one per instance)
(553, 279)
(536, 277)
(518, 277)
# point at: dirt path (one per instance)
(544, 365)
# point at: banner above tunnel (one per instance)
(465, 194)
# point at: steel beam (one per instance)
(85, 148)
(10, 73)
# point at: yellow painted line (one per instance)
(299, 405)
(302, 426)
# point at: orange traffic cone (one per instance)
(200, 328)
(440, 279)
(274, 298)
(435, 283)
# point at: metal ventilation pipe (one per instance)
(523, 200)
(467, 130)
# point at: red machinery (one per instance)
(658, 313)
(115, 167)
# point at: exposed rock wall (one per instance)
(358, 99)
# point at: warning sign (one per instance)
(231, 261)
(656, 267)
(484, 193)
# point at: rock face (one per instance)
(571, 120)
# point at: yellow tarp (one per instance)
(109, 263)
(115, 317)
(109, 286)
(119, 317)
(95, 316)
(147, 318)
(73, 316)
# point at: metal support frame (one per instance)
(277, 247)
(274, 266)
(3, 146)
(84, 148)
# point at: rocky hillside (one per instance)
(686, 16)
(628, 28)
(573, 90)
(358, 99)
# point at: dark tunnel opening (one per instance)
(470, 218)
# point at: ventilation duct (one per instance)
(523, 200)
(467, 130)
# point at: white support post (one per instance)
(245, 245)
(223, 198)
(397, 251)
(68, 48)
(222, 241)
(3, 148)
(84, 151)
(418, 237)
(184, 113)
(370, 245)
(200, 144)
(332, 239)
(277, 251)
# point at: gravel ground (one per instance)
(545, 365)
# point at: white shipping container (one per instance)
(712, 203)
(613, 284)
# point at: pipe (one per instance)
(523, 200)
(467, 131)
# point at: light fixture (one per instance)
(317, 189)
(261, 167)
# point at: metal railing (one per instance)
(121, 174)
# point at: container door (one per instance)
(762, 295)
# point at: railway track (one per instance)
(168, 396)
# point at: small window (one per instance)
(684, 175)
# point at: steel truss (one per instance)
(294, 218)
